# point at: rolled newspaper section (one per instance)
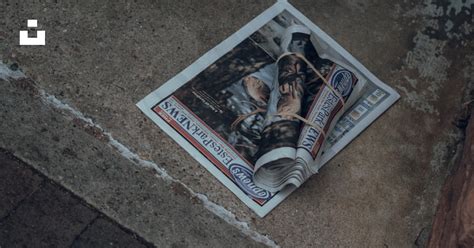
(278, 147)
(291, 163)
(325, 111)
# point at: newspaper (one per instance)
(269, 106)
(287, 150)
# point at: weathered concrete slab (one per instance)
(102, 233)
(47, 215)
(49, 218)
(76, 156)
(16, 183)
(382, 190)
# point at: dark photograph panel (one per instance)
(232, 96)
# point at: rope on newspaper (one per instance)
(307, 122)
(257, 110)
(315, 71)
(260, 110)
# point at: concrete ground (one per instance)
(34, 212)
(73, 118)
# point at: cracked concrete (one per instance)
(101, 58)
(35, 212)
(65, 150)
(97, 131)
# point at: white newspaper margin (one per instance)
(221, 49)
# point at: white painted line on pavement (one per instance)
(6, 73)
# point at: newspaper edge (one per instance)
(221, 49)
(184, 76)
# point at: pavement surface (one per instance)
(35, 212)
(72, 116)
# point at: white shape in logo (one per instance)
(39, 40)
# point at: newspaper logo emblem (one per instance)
(342, 82)
(243, 177)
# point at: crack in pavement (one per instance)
(99, 132)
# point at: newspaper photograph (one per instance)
(269, 106)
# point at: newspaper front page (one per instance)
(218, 109)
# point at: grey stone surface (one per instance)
(103, 233)
(67, 151)
(43, 214)
(17, 182)
(49, 218)
(102, 57)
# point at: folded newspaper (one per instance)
(270, 105)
